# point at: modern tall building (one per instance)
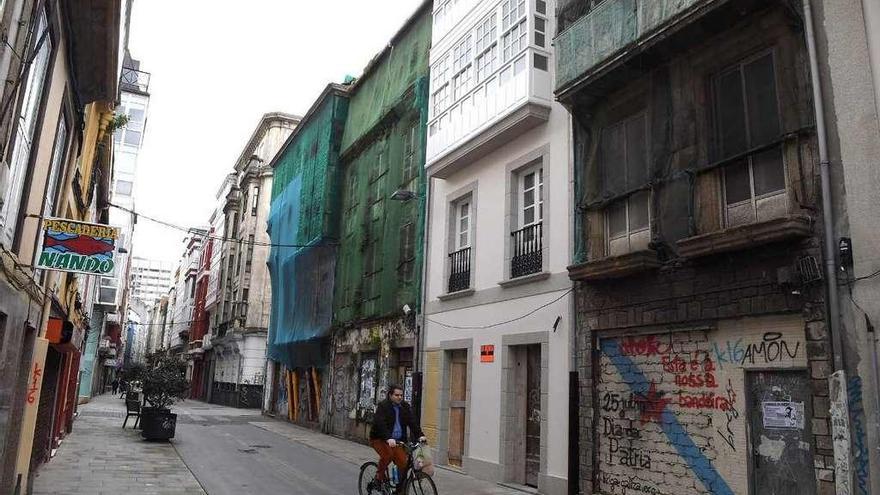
(498, 322)
(149, 279)
(110, 313)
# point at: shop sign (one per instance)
(487, 353)
(72, 246)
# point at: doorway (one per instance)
(780, 437)
(525, 413)
(457, 405)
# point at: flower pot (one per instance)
(158, 424)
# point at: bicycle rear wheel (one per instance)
(420, 484)
(367, 484)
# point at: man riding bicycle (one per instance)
(390, 422)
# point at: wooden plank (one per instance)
(456, 435)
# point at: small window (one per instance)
(531, 196)
(410, 153)
(255, 201)
(462, 224)
(541, 7)
(627, 223)
(123, 187)
(407, 252)
(540, 30)
(540, 62)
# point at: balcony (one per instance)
(135, 81)
(528, 251)
(459, 270)
(612, 31)
(514, 98)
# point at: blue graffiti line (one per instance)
(857, 412)
(675, 432)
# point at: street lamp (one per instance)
(403, 195)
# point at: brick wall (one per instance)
(702, 316)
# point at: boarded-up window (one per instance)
(367, 394)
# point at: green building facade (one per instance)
(380, 252)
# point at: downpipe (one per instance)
(837, 381)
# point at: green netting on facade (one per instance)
(304, 212)
(387, 79)
(383, 150)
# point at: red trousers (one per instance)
(386, 455)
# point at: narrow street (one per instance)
(217, 450)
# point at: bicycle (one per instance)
(414, 482)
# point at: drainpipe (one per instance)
(825, 178)
(837, 383)
(420, 337)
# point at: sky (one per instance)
(216, 68)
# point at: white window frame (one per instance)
(538, 197)
(631, 239)
(459, 217)
(25, 130)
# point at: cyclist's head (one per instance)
(395, 393)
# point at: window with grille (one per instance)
(623, 156)
(747, 125)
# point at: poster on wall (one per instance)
(407, 387)
(80, 247)
(783, 415)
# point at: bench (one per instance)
(132, 408)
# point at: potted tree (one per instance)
(164, 383)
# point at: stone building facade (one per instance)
(702, 349)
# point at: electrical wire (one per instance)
(483, 327)
(206, 235)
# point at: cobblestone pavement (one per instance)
(99, 457)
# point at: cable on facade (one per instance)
(206, 235)
(482, 327)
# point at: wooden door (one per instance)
(780, 436)
(533, 414)
(457, 405)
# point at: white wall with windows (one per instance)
(512, 202)
(494, 60)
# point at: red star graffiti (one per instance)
(652, 404)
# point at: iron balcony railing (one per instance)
(460, 270)
(134, 79)
(528, 245)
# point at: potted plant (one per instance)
(164, 383)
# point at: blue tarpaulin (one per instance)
(302, 285)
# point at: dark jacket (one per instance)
(383, 421)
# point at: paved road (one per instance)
(217, 450)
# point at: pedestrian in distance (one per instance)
(391, 421)
(114, 385)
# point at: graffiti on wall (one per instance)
(859, 435)
(35, 384)
(670, 408)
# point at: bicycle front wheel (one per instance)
(421, 484)
(367, 484)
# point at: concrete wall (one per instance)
(491, 451)
(848, 52)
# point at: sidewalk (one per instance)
(99, 457)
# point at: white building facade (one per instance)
(498, 299)
(149, 279)
(239, 296)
